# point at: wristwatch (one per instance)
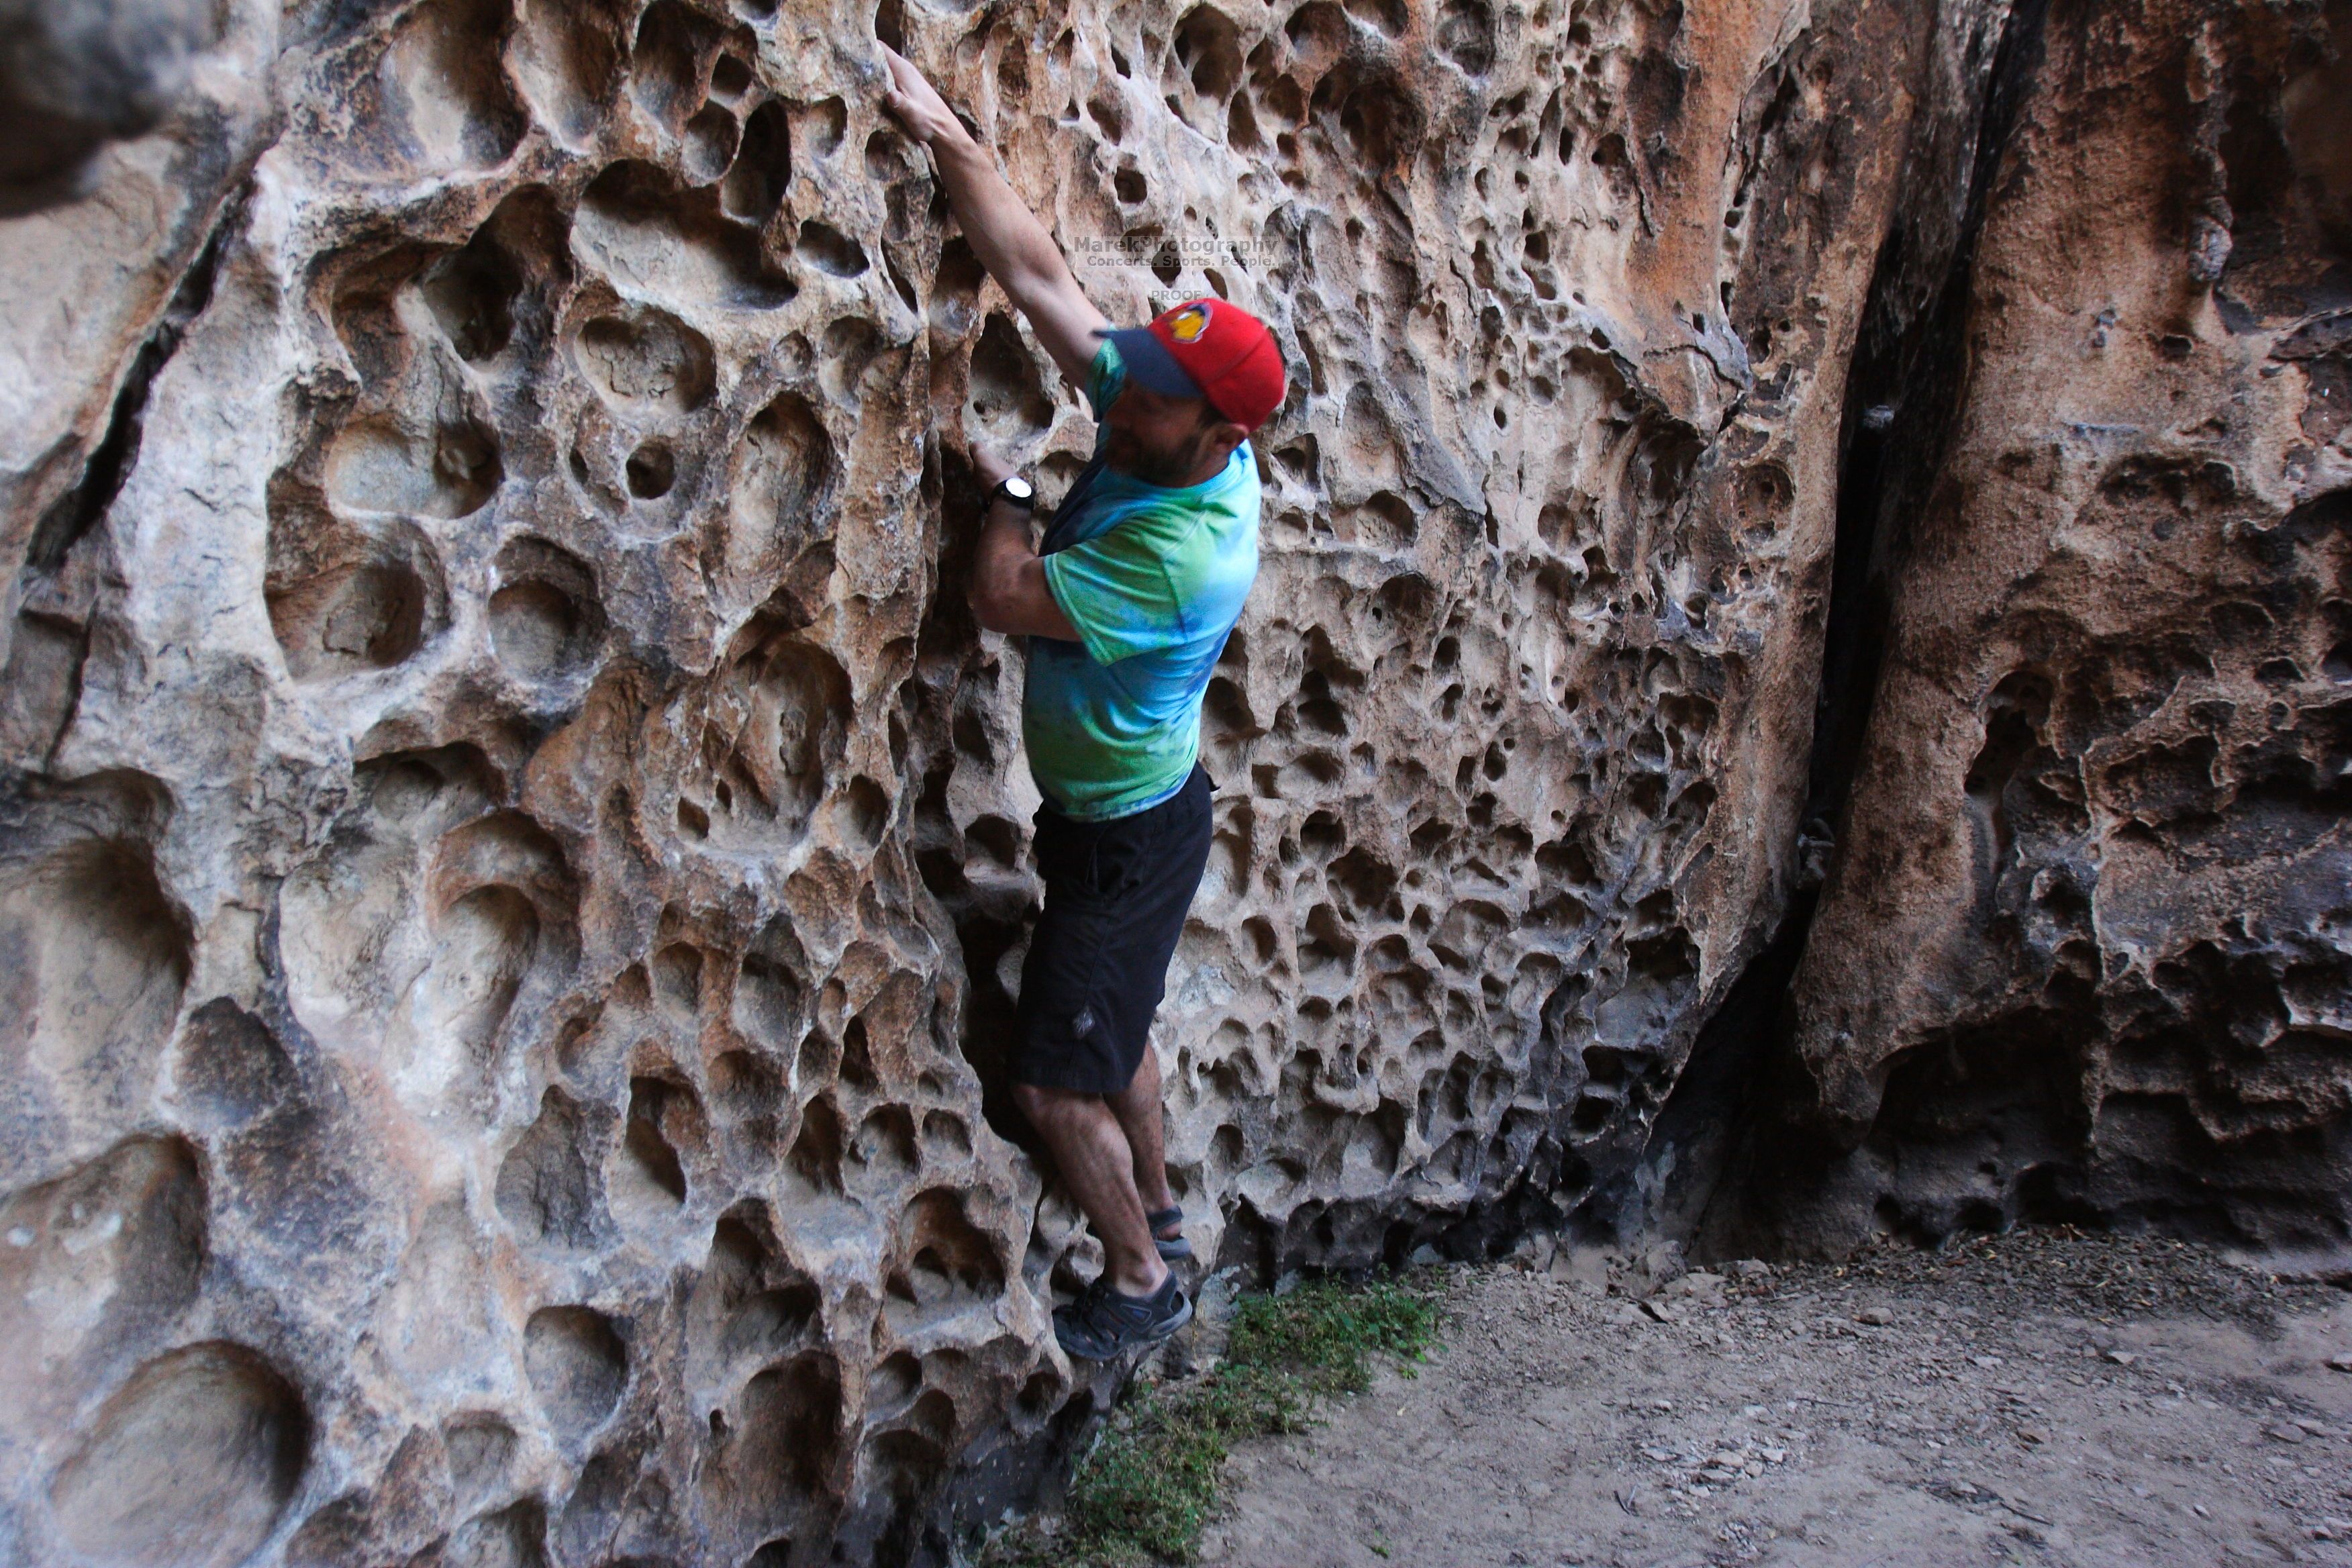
(1016, 491)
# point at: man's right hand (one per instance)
(917, 105)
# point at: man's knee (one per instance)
(1036, 1104)
(1044, 1105)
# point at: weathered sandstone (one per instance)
(2087, 950)
(512, 851)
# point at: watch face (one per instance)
(1018, 488)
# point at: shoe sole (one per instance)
(1157, 1332)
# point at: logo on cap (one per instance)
(1188, 324)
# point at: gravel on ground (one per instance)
(2041, 1397)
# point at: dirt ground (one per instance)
(2040, 1398)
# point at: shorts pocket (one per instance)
(1117, 869)
(1065, 852)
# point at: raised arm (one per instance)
(1003, 233)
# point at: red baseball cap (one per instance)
(1207, 348)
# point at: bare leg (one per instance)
(1138, 1108)
(1098, 1167)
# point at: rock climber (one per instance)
(1124, 606)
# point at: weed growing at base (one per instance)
(1149, 1486)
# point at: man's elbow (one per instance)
(989, 607)
(1040, 288)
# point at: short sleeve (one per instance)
(1115, 590)
(1105, 376)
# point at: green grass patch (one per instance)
(1149, 1486)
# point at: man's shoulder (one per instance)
(1168, 520)
(1162, 520)
(1214, 556)
(1231, 498)
(1104, 375)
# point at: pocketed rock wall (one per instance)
(514, 850)
(2087, 949)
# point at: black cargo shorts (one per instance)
(1116, 896)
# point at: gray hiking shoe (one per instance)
(1104, 1322)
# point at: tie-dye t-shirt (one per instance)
(1152, 577)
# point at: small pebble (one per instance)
(1877, 1317)
(2122, 1358)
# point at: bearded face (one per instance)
(1160, 440)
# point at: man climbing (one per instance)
(1126, 607)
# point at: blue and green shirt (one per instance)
(1152, 577)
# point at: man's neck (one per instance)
(1208, 469)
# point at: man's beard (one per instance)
(1172, 470)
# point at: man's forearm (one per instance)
(1005, 546)
(1009, 589)
(1002, 232)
